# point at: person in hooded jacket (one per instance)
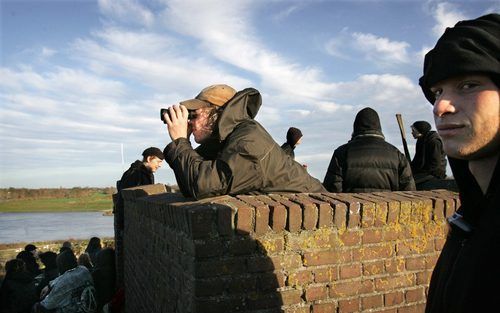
(140, 173)
(367, 163)
(461, 79)
(293, 139)
(18, 291)
(236, 154)
(429, 162)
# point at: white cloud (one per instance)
(47, 52)
(127, 11)
(381, 49)
(446, 15)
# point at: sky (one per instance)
(82, 82)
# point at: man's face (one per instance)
(153, 163)
(466, 112)
(200, 125)
(415, 133)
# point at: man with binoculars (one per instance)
(236, 154)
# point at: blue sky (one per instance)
(79, 79)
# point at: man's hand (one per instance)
(177, 122)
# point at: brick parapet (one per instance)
(294, 252)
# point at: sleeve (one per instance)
(200, 178)
(55, 296)
(406, 182)
(333, 178)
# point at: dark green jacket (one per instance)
(246, 160)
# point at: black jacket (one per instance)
(288, 149)
(242, 158)
(466, 276)
(18, 293)
(429, 156)
(137, 175)
(367, 163)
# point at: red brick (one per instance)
(345, 289)
(351, 238)
(372, 302)
(416, 308)
(262, 219)
(245, 220)
(368, 215)
(413, 264)
(322, 258)
(314, 293)
(324, 308)
(372, 236)
(271, 245)
(382, 251)
(393, 282)
(423, 278)
(430, 261)
(277, 213)
(346, 306)
(392, 233)
(350, 271)
(270, 280)
(278, 217)
(300, 278)
(324, 275)
(296, 309)
(325, 218)
(291, 296)
(373, 268)
(393, 266)
(439, 243)
(414, 295)
(393, 298)
(225, 219)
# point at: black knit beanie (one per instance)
(422, 127)
(153, 151)
(293, 135)
(367, 121)
(471, 46)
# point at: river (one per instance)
(32, 227)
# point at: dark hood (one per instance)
(471, 46)
(243, 106)
(367, 122)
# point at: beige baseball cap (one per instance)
(216, 95)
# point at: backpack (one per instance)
(87, 303)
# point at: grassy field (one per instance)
(94, 202)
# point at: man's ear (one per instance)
(149, 159)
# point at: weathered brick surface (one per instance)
(300, 253)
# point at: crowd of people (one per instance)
(64, 284)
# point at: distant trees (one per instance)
(75, 192)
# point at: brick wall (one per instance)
(282, 253)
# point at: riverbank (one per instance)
(94, 201)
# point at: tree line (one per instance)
(75, 192)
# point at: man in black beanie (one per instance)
(367, 163)
(462, 80)
(293, 139)
(429, 162)
(140, 173)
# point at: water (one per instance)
(31, 227)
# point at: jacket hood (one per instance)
(243, 106)
(367, 122)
